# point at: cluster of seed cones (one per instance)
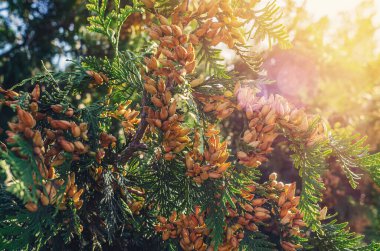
(166, 119)
(128, 117)
(277, 210)
(268, 117)
(220, 106)
(289, 215)
(190, 229)
(218, 22)
(49, 146)
(167, 68)
(175, 56)
(212, 163)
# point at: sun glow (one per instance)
(337, 36)
(330, 8)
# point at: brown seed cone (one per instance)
(32, 207)
(72, 190)
(37, 139)
(33, 107)
(194, 39)
(164, 113)
(57, 108)
(36, 93)
(44, 200)
(165, 235)
(287, 246)
(51, 173)
(69, 112)
(161, 86)
(190, 67)
(167, 97)
(67, 146)
(156, 101)
(79, 146)
(172, 108)
(181, 52)
(42, 169)
(177, 31)
(151, 63)
(154, 34)
(60, 124)
(75, 130)
(78, 205)
(77, 195)
(28, 133)
(198, 243)
(97, 77)
(26, 118)
(150, 89)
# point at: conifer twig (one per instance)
(135, 144)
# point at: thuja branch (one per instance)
(57, 154)
(135, 144)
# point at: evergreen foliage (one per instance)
(126, 152)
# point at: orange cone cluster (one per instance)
(49, 196)
(136, 203)
(212, 164)
(175, 56)
(250, 212)
(72, 192)
(220, 106)
(105, 141)
(166, 119)
(266, 116)
(190, 229)
(219, 23)
(49, 145)
(174, 59)
(192, 232)
(135, 206)
(128, 117)
(260, 209)
(289, 216)
(98, 78)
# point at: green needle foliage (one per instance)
(109, 23)
(335, 236)
(89, 160)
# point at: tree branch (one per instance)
(135, 144)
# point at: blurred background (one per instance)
(332, 69)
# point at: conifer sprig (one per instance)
(127, 152)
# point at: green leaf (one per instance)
(256, 241)
(108, 23)
(371, 164)
(335, 237)
(19, 171)
(266, 26)
(311, 163)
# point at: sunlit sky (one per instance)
(330, 8)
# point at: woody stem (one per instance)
(135, 144)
